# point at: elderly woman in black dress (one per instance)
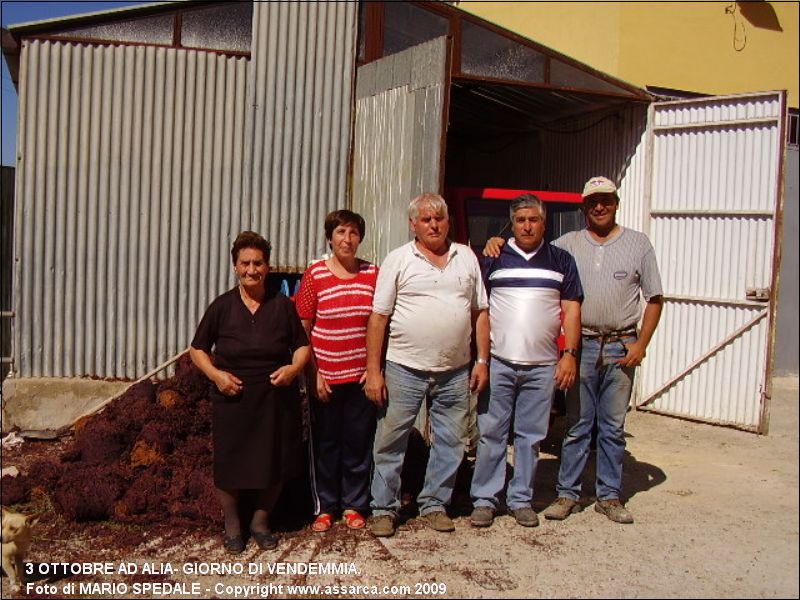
(251, 345)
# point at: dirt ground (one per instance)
(716, 516)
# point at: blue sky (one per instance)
(14, 13)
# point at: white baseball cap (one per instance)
(599, 185)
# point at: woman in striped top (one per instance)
(334, 303)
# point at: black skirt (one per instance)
(257, 436)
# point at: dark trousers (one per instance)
(344, 429)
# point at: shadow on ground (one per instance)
(637, 476)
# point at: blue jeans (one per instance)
(407, 390)
(527, 390)
(603, 394)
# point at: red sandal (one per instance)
(353, 519)
(323, 522)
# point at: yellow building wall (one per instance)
(693, 46)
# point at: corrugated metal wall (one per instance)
(129, 187)
(397, 148)
(138, 167)
(301, 101)
(609, 144)
(716, 168)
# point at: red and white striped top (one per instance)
(339, 309)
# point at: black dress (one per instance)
(257, 434)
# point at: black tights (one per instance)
(265, 501)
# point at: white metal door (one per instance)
(714, 204)
(401, 112)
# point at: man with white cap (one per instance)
(616, 265)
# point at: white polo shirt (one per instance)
(430, 308)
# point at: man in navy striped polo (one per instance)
(530, 284)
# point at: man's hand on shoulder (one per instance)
(493, 247)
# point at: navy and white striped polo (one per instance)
(525, 294)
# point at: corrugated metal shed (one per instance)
(129, 175)
(138, 166)
(399, 122)
(301, 110)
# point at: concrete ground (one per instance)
(716, 517)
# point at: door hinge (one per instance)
(758, 294)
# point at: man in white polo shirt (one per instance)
(432, 292)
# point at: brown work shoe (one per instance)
(561, 508)
(382, 526)
(525, 516)
(614, 510)
(439, 521)
(482, 516)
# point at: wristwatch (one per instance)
(572, 351)
(482, 361)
